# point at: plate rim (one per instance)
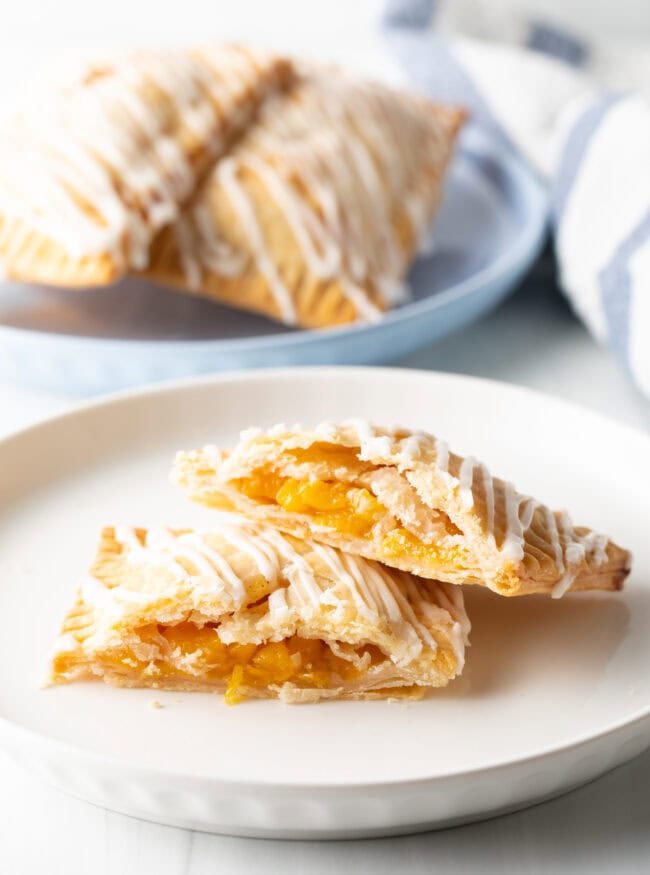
(527, 246)
(10, 728)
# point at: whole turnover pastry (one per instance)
(96, 164)
(405, 499)
(245, 610)
(314, 216)
(297, 192)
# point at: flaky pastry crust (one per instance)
(100, 162)
(405, 499)
(314, 217)
(294, 191)
(245, 610)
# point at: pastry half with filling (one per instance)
(245, 610)
(405, 499)
(96, 164)
(314, 216)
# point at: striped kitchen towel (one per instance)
(580, 113)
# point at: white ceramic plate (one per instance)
(554, 693)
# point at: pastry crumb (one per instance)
(154, 703)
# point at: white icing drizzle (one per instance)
(278, 607)
(489, 498)
(412, 446)
(591, 545)
(564, 584)
(366, 310)
(596, 545)
(326, 155)
(450, 596)
(253, 544)
(214, 253)
(375, 593)
(569, 549)
(161, 540)
(527, 512)
(97, 166)
(554, 535)
(386, 599)
(442, 460)
(224, 570)
(127, 537)
(465, 480)
(573, 551)
(227, 174)
(364, 431)
(333, 561)
(93, 592)
(399, 607)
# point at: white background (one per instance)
(533, 340)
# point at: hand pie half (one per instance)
(245, 610)
(314, 216)
(404, 499)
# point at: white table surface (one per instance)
(533, 340)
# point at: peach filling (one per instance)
(198, 654)
(401, 542)
(340, 506)
(349, 509)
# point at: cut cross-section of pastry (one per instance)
(314, 216)
(248, 611)
(405, 499)
(100, 162)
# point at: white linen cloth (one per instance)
(579, 112)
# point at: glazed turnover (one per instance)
(105, 158)
(315, 215)
(405, 499)
(297, 192)
(245, 610)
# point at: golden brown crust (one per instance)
(174, 129)
(37, 258)
(318, 303)
(317, 299)
(301, 194)
(432, 512)
(176, 609)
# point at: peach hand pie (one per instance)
(245, 610)
(405, 499)
(97, 164)
(315, 214)
(296, 192)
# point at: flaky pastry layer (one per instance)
(245, 610)
(405, 499)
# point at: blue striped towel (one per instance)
(537, 88)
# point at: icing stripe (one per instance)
(383, 598)
(326, 154)
(513, 522)
(103, 162)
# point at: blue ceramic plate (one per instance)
(489, 231)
